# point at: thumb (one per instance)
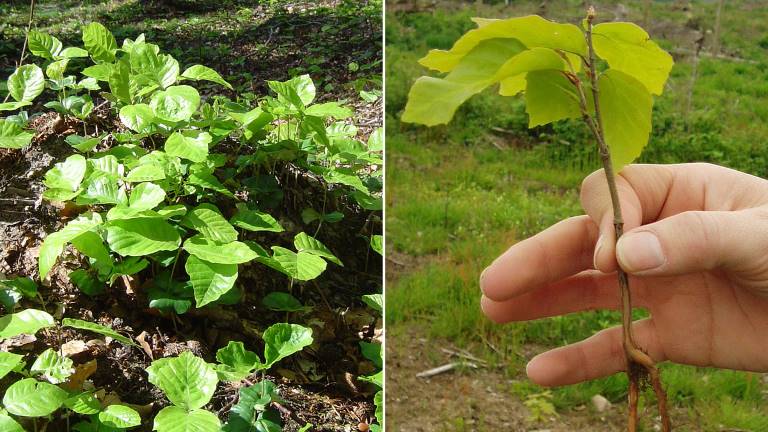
(696, 241)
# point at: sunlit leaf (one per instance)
(31, 398)
(188, 381)
(210, 280)
(26, 83)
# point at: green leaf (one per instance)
(302, 266)
(305, 243)
(97, 328)
(141, 236)
(372, 351)
(146, 196)
(187, 381)
(23, 285)
(329, 109)
(199, 72)
(139, 118)
(54, 367)
(549, 97)
(299, 91)
(73, 52)
(172, 211)
(207, 180)
(100, 72)
(26, 83)
(189, 144)
(9, 362)
(377, 244)
(120, 81)
(12, 106)
(31, 398)
(84, 144)
(378, 400)
(628, 48)
(229, 253)
(375, 301)
(67, 175)
(626, 107)
(43, 45)
(99, 42)
(53, 245)
(210, 280)
(532, 31)
(282, 302)
(12, 136)
(177, 103)
(253, 220)
(254, 399)
(83, 403)
(8, 424)
(119, 417)
(434, 101)
(86, 282)
(175, 419)
(28, 321)
(236, 361)
(282, 340)
(376, 140)
(146, 172)
(102, 188)
(376, 379)
(207, 219)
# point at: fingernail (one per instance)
(482, 278)
(598, 245)
(640, 252)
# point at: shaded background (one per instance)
(459, 195)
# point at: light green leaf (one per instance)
(139, 118)
(31, 398)
(120, 81)
(253, 220)
(376, 379)
(146, 172)
(549, 97)
(102, 188)
(532, 31)
(43, 45)
(100, 72)
(172, 211)
(119, 417)
(628, 48)
(306, 243)
(228, 253)
(67, 175)
(210, 280)
(8, 424)
(377, 244)
(9, 362)
(626, 107)
(282, 302)
(207, 180)
(26, 83)
(53, 245)
(141, 236)
(177, 103)
(236, 362)
(189, 144)
(28, 321)
(283, 339)
(99, 42)
(302, 266)
(12, 136)
(329, 109)
(207, 219)
(376, 140)
(375, 301)
(146, 196)
(83, 403)
(13, 106)
(254, 399)
(97, 328)
(54, 367)
(84, 144)
(175, 419)
(187, 381)
(199, 72)
(73, 52)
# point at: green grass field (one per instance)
(459, 195)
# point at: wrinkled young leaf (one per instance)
(141, 236)
(13, 136)
(28, 321)
(190, 144)
(54, 367)
(282, 302)
(210, 280)
(628, 48)
(175, 104)
(43, 45)
(229, 253)
(26, 83)
(31, 398)
(187, 381)
(625, 106)
(119, 417)
(99, 42)
(199, 72)
(283, 339)
(207, 219)
(236, 362)
(9, 362)
(306, 243)
(175, 419)
(53, 245)
(97, 328)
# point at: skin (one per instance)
(695, 245)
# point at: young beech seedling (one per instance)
(606, 74)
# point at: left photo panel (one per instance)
(191, 215)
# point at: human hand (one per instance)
(695, 245)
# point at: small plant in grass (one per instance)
(605, 74)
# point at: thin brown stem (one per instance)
(26, 39)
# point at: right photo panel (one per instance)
(576, 215)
